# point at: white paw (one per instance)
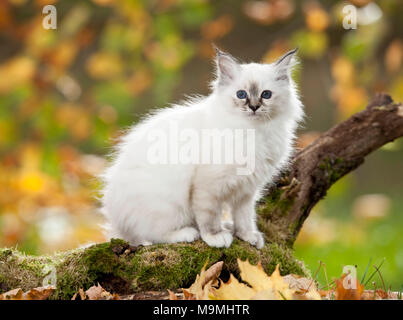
(219, 240)
(190, 234)
(255, 238)
(187, 234)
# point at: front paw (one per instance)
(218, 240)
(255, 238)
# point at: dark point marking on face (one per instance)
(254, 90)
(254, 95)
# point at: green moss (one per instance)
(274, 201)
(121, 268)
(335, 169)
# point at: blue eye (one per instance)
(266, 94)
(241, 94)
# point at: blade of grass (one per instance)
(366, 270)
(315, 275)
(327, 280)
(380, 275)
(372, 275)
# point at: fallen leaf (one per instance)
(254, 275)
(99, 293)
(343, 293)
(172, 296)
(95, 292)
(212, 273)
(82, 294)
(264, 287)
(304, 287)
(39, 293)
(15, 294)
(233, 290)
(204, 283)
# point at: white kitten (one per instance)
(148, 203)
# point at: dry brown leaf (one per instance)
(15, 294)
(99, 293)
(187, 295)
(379, 294)
(39, 293)
(82, 294)
(95, 292)
(172, 296)
(212, 273)
(304, 287)
(343, 293)
(204, 282)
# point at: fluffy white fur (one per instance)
(147, 204)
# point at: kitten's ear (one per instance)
(227, 66)
(285, 64)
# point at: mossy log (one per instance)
(121, 268)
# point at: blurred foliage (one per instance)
(65, 94)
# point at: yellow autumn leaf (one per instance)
(264, 287)
(254, 275)
(280, 286)
(233, 290)
(201, 288)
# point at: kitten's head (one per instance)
(257, 91)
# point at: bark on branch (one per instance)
(123, 269)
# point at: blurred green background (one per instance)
(65, 94)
